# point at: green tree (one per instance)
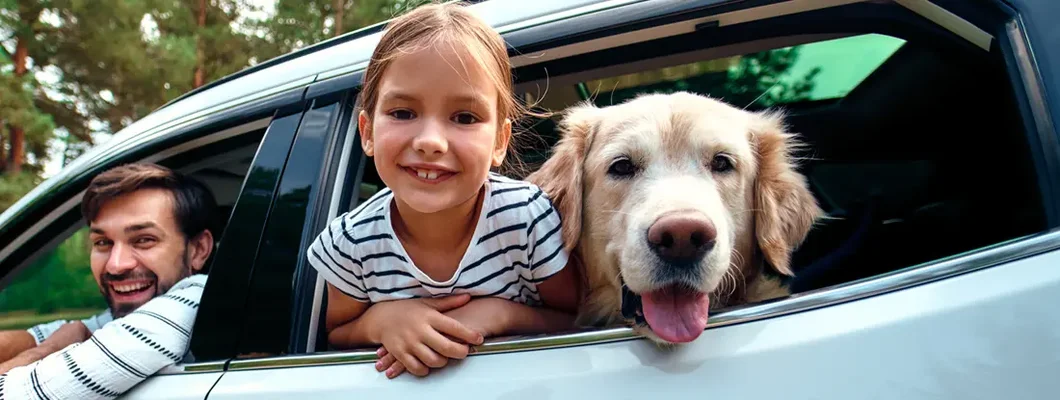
(757, 80)
(22, 124)
(301, 23)
(762, 79)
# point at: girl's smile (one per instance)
(436, 130)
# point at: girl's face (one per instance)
(434, 132)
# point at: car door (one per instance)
(234, 150)
(948, 295)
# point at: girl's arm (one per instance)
(492, 316)
(345, 328)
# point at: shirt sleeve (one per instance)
(118, 356)
(41, 332)
(545, 239)
(333, 256)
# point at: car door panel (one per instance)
(179, 386)
(986, 334)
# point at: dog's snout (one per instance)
(682, 237)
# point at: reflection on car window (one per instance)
(823, 70)
(58, 285)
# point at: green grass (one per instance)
(26, 319)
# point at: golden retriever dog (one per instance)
(675, 204)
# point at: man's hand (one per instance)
(420, 336)
(69, 333)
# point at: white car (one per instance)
(932, 126)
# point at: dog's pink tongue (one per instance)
(675, 314)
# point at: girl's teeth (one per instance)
(427, 174)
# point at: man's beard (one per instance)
(121, 310)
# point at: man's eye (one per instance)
(465, 118)
(101, 243)
(402, 114)
(144, 240)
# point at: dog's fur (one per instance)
(762, 209)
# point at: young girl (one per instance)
(450, 252)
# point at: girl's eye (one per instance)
(402, 114)
(465, 118)
(721, 163)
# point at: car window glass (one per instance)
(58, 285)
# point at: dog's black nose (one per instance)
(682, 237)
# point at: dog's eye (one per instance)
(622, 168)
(721, 163)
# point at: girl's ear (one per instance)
(364, 128)
(504, 136)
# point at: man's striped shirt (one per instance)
(516, 245)
(118, 356)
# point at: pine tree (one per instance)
(300, 23)
(25, 127)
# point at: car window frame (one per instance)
(226, 125)
(579, 28)
(280, 287)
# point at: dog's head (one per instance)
(668, 199)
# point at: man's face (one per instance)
(138, 251)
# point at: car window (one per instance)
(825, 70)
(884, 122)
(890, 153)
(58, 285)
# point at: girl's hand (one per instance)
(489, 316)
(417, 334)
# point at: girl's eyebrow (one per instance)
(461, 98)
(392, 95)
(469, 99)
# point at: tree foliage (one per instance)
(92, 67)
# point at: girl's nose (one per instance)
(431, 140)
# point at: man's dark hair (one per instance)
(194, 206)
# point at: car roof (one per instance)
(333, 57)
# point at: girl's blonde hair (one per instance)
(450, 23)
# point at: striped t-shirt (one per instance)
(516, 245)
(119, 355)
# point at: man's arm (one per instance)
(69, 333)
(13, 343)
(118, 356)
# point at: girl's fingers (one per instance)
(395, 369)
(429, 357)
(452, 327)
(446, 346)
(411, 364)
(385, 362)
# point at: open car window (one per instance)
(825, 70)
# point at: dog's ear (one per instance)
(560, 177)
(785, 209)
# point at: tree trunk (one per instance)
(18, 137)
(339, 11)
(200, 55)
(3, 151)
